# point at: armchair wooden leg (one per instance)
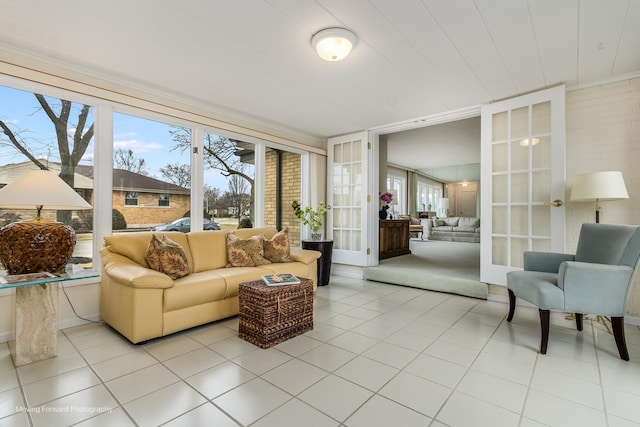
(512, 305)
(617, 324)
(579, 321)
(544, 326)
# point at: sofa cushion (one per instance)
(245, 252)
(438, 222)
(278, 249)
(444, 228)
(134, 244)
(195, 289)
(208, 249)
(451, 221)
(460, 229)
(469, 222)
(166, 256)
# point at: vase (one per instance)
(382, 214)
(316, 236)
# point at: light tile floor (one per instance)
(379, 355)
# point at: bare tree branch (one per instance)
(19, 146)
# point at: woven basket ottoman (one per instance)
(270, 315)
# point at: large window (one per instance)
(428, 196)
(39, 131)
(397, 185)
(154, 158)
(151, 162)
(229, 181)
(282, 187)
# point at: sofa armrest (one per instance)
(305, 256)
(127, 272)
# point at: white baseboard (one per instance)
(628, 319)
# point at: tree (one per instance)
(178, 174)
(124, 159)
(211, 197)
(72, 140)
(219, 153)
(238, 187)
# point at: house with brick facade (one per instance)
(144, 201)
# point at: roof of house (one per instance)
(122, 180)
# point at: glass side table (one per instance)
(36, 311)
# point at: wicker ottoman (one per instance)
(270, 315)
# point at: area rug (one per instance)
(452, 267)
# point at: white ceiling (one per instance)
(252, 59)
(441, 151)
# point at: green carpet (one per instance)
(451, 267)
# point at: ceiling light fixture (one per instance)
(525, 142)
(334, 44)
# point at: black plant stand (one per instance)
(324, 262)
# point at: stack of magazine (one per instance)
(280, 279)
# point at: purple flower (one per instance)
(386, 197)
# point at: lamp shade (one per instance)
(41, 188)
(333, 44)
(444, 203)
(605, 185)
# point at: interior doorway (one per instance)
(448, 151)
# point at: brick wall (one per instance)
(290, 192)
(603, 133)
(148, 213)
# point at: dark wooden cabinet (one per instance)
(394, 238)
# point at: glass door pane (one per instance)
(523, 167)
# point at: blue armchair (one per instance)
(596, 280)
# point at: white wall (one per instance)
(603, 133)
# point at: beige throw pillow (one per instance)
(245, 253)
(278, 249)
(166, 256)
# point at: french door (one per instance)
(522, 176)
(348, 194)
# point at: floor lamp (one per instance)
(599, 187)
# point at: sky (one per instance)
(147, 139)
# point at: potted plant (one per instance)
(385, 199)
(311, 217)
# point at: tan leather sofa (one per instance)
(142, 303)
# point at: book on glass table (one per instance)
(280, 279)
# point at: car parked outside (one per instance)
(184, 225)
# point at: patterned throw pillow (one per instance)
(438, 223)
(278, 249)
(245, 253)
(166, 256)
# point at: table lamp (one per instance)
(598, 187)
(444, 205)
(37, 244)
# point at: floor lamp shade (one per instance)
(37, 244)
(597, 187)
